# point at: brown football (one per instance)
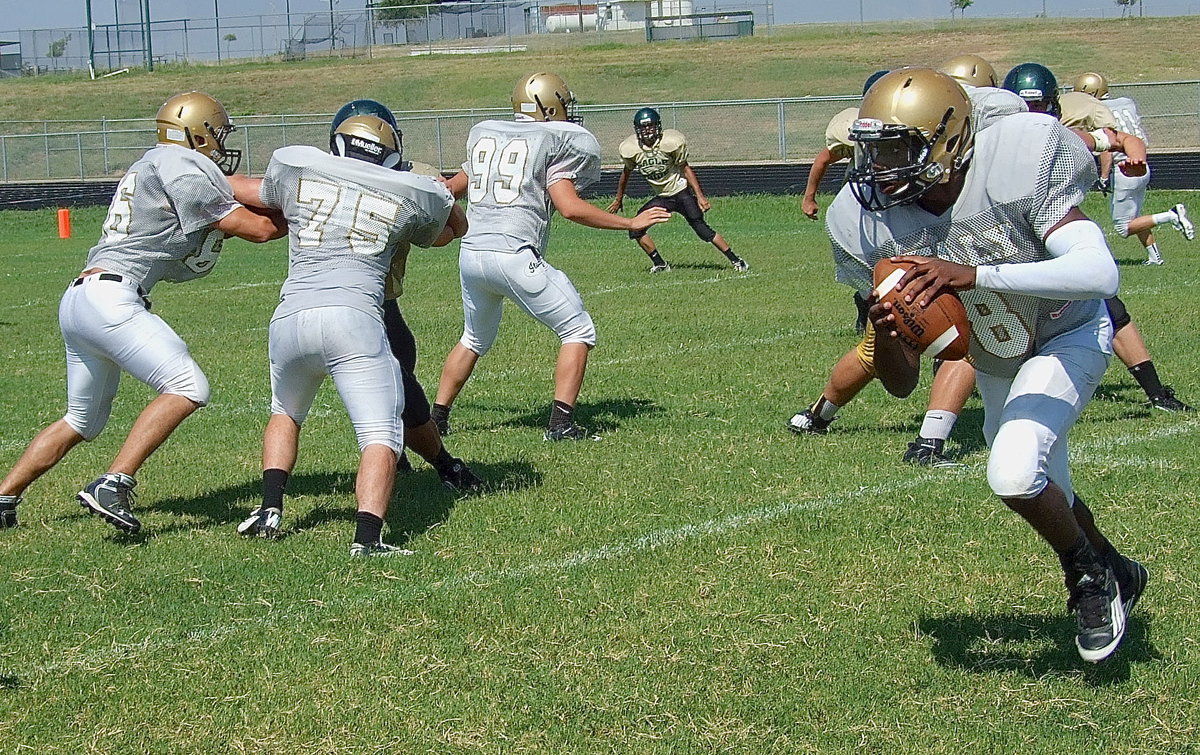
(940, 330)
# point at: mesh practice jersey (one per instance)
(662, 164)
(1125, 112)
(1027, 173)
(346, 217)
(511, 165)
(160, 221)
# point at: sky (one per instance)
(18, 15)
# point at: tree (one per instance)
(57, 48)
(229, 39)
(960, 6)
(1126, 6)
(399, 10)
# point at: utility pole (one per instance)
(148, 44)
(91, 39)
(217, 25)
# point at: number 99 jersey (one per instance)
(1027, 173)
(160, 222)
(510, 165)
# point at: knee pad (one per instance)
(635, 235)
(865, 351)
(1117, 313)
(703, 230)
(580, 329)
(1014, 467)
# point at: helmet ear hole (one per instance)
(339, 145)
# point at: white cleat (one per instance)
(1181, 222)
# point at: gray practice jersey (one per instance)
(988, 104)
(160, 221)
(346, 218)
(1128, 119)
(1027, 173)
(511, 164)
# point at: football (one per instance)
(940, 330)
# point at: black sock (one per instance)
(1080, 559)
(1147, 377)
(273, 483)
(560, 414)
(439, 413)
(656, 258)
(444, 460)
(729, 255)
(368, 528)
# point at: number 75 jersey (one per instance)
(511, 165)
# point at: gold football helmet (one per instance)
(971, 70)
(913, 132)
(544, 97)
(197, 121)
(368, 138)
(1093, 84)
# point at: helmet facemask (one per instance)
(226, 159)
(649, 132)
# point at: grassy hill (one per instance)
(794, 61)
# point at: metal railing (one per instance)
(727, 131)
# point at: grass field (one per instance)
(699, 580)
(796, 61)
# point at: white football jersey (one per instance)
(1027, 173)
(160, 221)
(662, 164)
(511, 165)
(988, 104)
(346, 217)
(1129, 120)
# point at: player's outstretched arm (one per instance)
(456, 227)
(457, 184)
(264, 225)
(820, 165)
(578, 210)
(622, 182)
(694, 182)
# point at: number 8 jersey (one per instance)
(510, 165)
(1027, 173)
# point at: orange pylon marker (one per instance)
(64, 223)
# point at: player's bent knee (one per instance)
(474, 343)
(580, 329)
(1118, 313)
(191, 383)
(635, 235)
(89, 425)
(704, 231)
(1015, 469)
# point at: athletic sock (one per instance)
(1147, 377)
(656, 258)
(368, 528)
(273, 483)
(825, 409)
(1166, 216)
(439, 413)
(560, 414)
(1152, 253)
(730, 255)
(444, 460)
(938, 424)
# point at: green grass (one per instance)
(794, 61)
(699, 580)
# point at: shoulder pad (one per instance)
(629, 147)
(672, 140)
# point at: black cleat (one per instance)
(111, 498)
(1132, 587)
(1096, 599)
(262, 523)
(566, 432)
(8, 511)
(806, 422)
(403, 465)
(1167, 401)
(927, 452)
(458, 477)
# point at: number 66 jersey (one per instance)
(1027, 173)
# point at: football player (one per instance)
(420, 432)
(661, 157)
(1128, 193)
(515, 174)
(995, 216)
(168, 218)
(347, 212)
(1084, 113)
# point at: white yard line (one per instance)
(1089, 453)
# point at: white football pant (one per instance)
(1128, 195)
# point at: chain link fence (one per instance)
(736, 131)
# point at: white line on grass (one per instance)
(288, 618)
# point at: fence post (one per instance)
(4, 155)
(437, 133)
(249, 157)
(79, 151)
(46, 145)
(104, 142)
(782, 132)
